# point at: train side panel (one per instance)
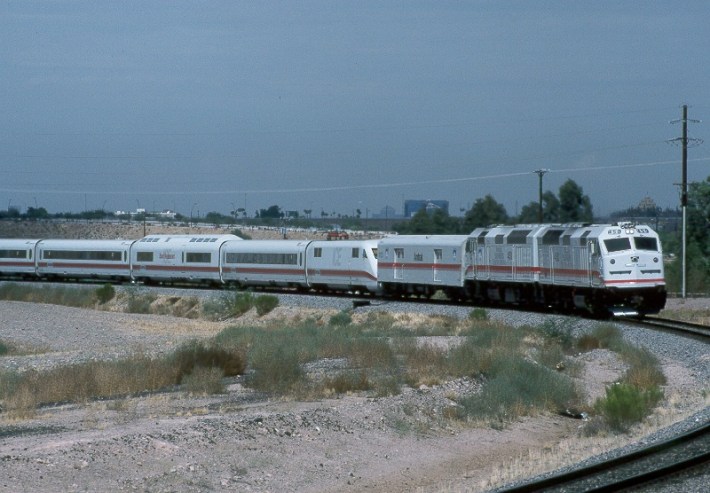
(17, 258)
(421, 265)
(178, 258)
(265, 263)
(343, 265)
(83, 259)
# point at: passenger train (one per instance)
(602, 269)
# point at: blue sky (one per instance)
(337, 106)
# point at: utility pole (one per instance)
(683, 139)
(540, 173)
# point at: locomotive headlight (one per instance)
(612, 261)
(655, 260)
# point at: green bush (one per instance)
(204, 381)
(340, 319)
(265, 304)
(193, 354)
(478, 314)
(626, 405)
(105, 293)
(139, 300)
(518, 388)
(5, 348)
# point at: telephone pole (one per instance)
(683, 139)
(540, 173)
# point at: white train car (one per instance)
(83, 259)
(265, 263)
(178, 258)
(421, 265)
(343, 265)
(17, 258)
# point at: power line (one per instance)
(353, 187)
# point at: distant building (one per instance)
(647, 204)
(411, 207)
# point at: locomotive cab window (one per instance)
(643, 243)
(617, 244)
(355, 252)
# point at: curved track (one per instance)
(678, 455)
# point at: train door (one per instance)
(398, 263)
(438, 255)
(595, 264)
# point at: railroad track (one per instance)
(652, 463)
(681, 454)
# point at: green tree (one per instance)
(574, 205)
(435, 222)
(698, 212)
(484, 212)
(530, 214)
(273, 212)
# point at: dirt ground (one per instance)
(246, 441)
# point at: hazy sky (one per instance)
(335, 106)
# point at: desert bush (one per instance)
(228, 305)
(77, 297)
(604, 336)
(139, 300)
(517, 388)
(348, 382)
(24, 392)
(340, 319)
(105, 293)
(194, 354)
(626, 404)
(277, 368)
(204, 381)
(6, 348)
(478, 314)
(265, 304)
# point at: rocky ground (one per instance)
(246, 441)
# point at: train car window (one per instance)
(418, 257)
(144, 256)
(197, 257)
(643, 243)
(438, 253)
(318, 252)
(399, 253)
(355, 253)
(499, 239)
(518, 236)
(82, 255)
(617, 244)
(13, 254)
(374, 253)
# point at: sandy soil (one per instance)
(246, 441)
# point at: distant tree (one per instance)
(484, 212)
(37, 213)
(574, 205)
(530, 214)
(434, 222)
(698, 212)
(273, 212)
